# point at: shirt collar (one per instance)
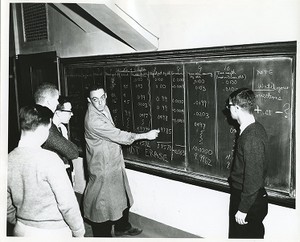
(245, 125)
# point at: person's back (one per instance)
(32, 175)
(254, 136)
(40, 198)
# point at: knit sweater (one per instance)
(39, 193)
(250, 164)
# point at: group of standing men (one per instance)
(41, 200)
(40, 197)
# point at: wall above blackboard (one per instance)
(183, 93)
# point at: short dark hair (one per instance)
(61, 102)
(95, 87)
(43, 91)
(244, 98)
(33, 116)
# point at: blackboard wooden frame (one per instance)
(278, 49)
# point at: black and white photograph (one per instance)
(149, 119)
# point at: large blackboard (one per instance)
(183, 94)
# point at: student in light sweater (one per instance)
(40, 198)
(248, 200)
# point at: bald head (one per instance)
(47, 95)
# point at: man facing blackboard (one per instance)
(248, 200)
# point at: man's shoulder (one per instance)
(92, 116)
(255, 133)
(54, 135)
(50, 157)
(259, 129)
(53, 129)
(22, 152)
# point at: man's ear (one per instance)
(47, 102)
(88, 99)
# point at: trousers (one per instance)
(255, 216)
(104, 229)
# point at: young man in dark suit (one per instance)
(249, 200)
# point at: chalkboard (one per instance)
(183, 93)
(211, 136)
(144, 97)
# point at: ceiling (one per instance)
(109, 19)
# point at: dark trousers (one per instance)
(255, 216)
(104, 229)
(69, 173)
(123, 223)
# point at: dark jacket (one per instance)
(66, 149)
(250, 165)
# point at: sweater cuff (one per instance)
(78, 233)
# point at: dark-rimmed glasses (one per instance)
(229, 105)
(67, 111)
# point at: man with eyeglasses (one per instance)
(107, 196)
(61, 118)
(47, 95)
(63, 113)
(248, 200)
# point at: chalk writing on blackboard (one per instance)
(185, 99)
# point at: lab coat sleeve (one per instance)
(104, 129)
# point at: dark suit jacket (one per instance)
(57, 143)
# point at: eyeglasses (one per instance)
(229, 105)
(67, 111)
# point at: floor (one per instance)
(151, 228)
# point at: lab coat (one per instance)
(107, 189)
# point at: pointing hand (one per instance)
(152, 134)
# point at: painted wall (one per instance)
(205, 23)
(198, 210)
(181, 25)
(194, 209)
